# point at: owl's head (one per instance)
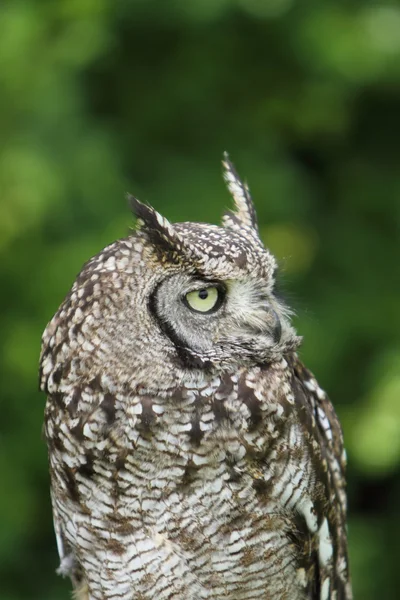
(214, 298)
(171, 302)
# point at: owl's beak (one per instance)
(270, 324)
(276, 326)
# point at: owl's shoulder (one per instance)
(320, 416)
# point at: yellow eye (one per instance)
(203, 300)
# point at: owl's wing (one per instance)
(325, 440)
(68, 565)
(66, 559)
(61, 480)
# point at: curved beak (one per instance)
(276, 326)
(269, 324)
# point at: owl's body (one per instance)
(192, 456)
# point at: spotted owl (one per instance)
(192, 455)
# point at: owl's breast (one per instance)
(206, 475)
(210, 473)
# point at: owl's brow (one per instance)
(197, 283)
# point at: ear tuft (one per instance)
(157, 229)
(149, 218)
(244, 213)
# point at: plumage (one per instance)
(191, 453)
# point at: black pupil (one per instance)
(203, 294)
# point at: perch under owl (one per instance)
(192, 455)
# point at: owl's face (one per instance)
(219, 311)
(214, 295)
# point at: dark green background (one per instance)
(100, 97)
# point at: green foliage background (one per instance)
(100, 97)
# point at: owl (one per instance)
(192, 455)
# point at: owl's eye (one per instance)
(204, 300)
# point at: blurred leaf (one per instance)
(375, 440)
